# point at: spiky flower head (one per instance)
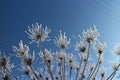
(80, 46)
(62, 41)
(91, 35)
(100, 48)
(22, 50)
(28, 59)
(5, 62)
(37, 33)
(116, 49)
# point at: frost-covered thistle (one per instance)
(102, 72)
(60, 55)
(25, 69)
(5, 67)
(22, 50)
(62, 41)
(100, 48)
(71, 60)
(5, 63)
(115, 66)
(48, 55)
(29, 59)
(91, 35)
(116, 49)
(81, 46)
(37, 33)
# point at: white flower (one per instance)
(91, 35)
(116, 49)
(102, 72)
(48, 55)
(115, 65)
(100, 48)
(60, 55)
(81, 46)
(37, 33)
(28, 59)
(5, 62)
(71, 58)
(22, 50)
(62, 41)
(25, 69)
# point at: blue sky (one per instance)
(70, 16)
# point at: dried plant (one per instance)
(60, 65)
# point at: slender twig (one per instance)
(86, 61)
(90, 73)
(64, 67)
(96, 71)
(113, 76)
(70, 72)
(113, 73)
(45, 60)
(34, 72)
(95, 67)
(60, 69)
(79, 67)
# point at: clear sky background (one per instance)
(70, 16)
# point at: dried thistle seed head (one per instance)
(38, 33)
(62, 41)
(26, 72)
(22, 50)
(100, 48)
(3, 62)
(91, 35)
(82, 49)
(29, 61)
(81, 46)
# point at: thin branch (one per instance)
(95, 67)
(113, 73)
(79, 67)
(45, 60)
(86, 61)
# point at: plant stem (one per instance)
(45, 60)
(97, 71)
(64, 67)
(70, 73)
(86, 61)
(33, 72)
(113, 73)
(95, 67)
(79, 67)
